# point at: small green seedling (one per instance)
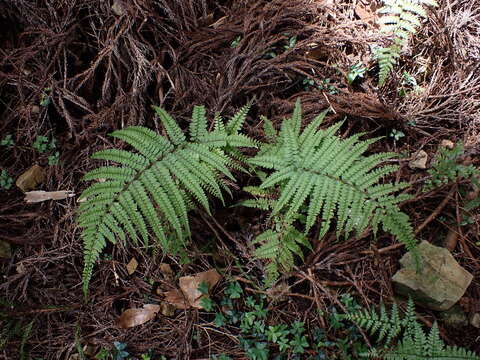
(119, 352)
(203, 287)
(53, 159)
(7, 141)
(356, 71)
(396, 134)
(235, 42)
(207, 303)
(234, 290)
(307, 82)
(409, 82)
(45, 97)
(42, 144)
(326, 85)
(6, 181)
(292, 41)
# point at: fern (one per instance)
(324, 176)
(447, 168)
(150, 192)
(400, 18)
(415, 343)
(280, 244)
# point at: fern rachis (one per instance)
(152, 188)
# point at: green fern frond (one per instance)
(280, 247)
(387, 59)
(414, 344)
(329, 177)
(387, 326)
(150, 190)
(401, 18)
(431, 347)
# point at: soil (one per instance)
(77, 70)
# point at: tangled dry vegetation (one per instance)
(102, 65)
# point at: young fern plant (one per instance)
(320, 176)
(148, 194)
(282, 242)
(415, 343)
(401, 18)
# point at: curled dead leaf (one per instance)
(138, 316)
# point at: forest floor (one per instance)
(74, 71)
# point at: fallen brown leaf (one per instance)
(31, 178)
(188, 295)
(177, 299)
(40, 195)
(166, 270)
(139, 316)
(132, 266)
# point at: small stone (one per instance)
(35, 109)
(419, 160)
(447, 144)
(475, 320)
(440, 282)
(21, 269)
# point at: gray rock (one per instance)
(419, 160)
(439, 284)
